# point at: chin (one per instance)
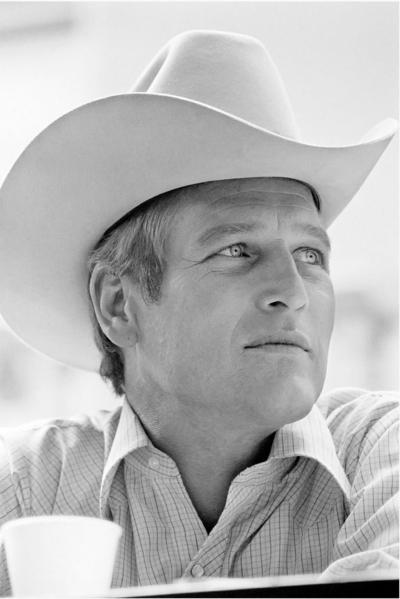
(279, 403)
(298, 398)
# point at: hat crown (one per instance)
(228, 71)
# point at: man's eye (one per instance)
(236, 250)
(310, 256)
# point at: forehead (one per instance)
(223, 199)
(261, 187)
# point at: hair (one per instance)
(136, 245)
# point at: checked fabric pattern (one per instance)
(323, 502)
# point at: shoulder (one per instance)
(350, 407)
(363, 424)
(50, 436)
(40, 460)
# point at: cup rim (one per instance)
(56, 519)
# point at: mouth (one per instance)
(293, 341)
(281, 348)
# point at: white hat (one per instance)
(210, 106)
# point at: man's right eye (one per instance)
(236, 250)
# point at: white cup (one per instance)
(60, 555)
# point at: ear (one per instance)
(113, 304)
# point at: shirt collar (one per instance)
(122, 439)
(309, 437)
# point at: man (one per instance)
(195, 220)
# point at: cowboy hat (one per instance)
(210, 106)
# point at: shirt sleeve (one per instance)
(368, 539)
(50, 467)
(11, 507)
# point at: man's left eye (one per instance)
(310, 256)
(236, 250)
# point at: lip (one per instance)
(281, 340)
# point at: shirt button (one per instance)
(154, 463)
(197, 571)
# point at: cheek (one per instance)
(201, 324)
(322, 302)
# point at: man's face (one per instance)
(241, 331)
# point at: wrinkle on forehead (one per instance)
(252, 197)
(252, 189)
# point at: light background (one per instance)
(339, 61)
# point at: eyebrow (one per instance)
(225, 229)
(222, 230)
(314, 231)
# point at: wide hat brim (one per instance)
(93, 165)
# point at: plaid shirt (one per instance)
(323, 502)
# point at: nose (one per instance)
(281, 286)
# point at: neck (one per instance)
(208, 452)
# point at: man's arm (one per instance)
(368, 539)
